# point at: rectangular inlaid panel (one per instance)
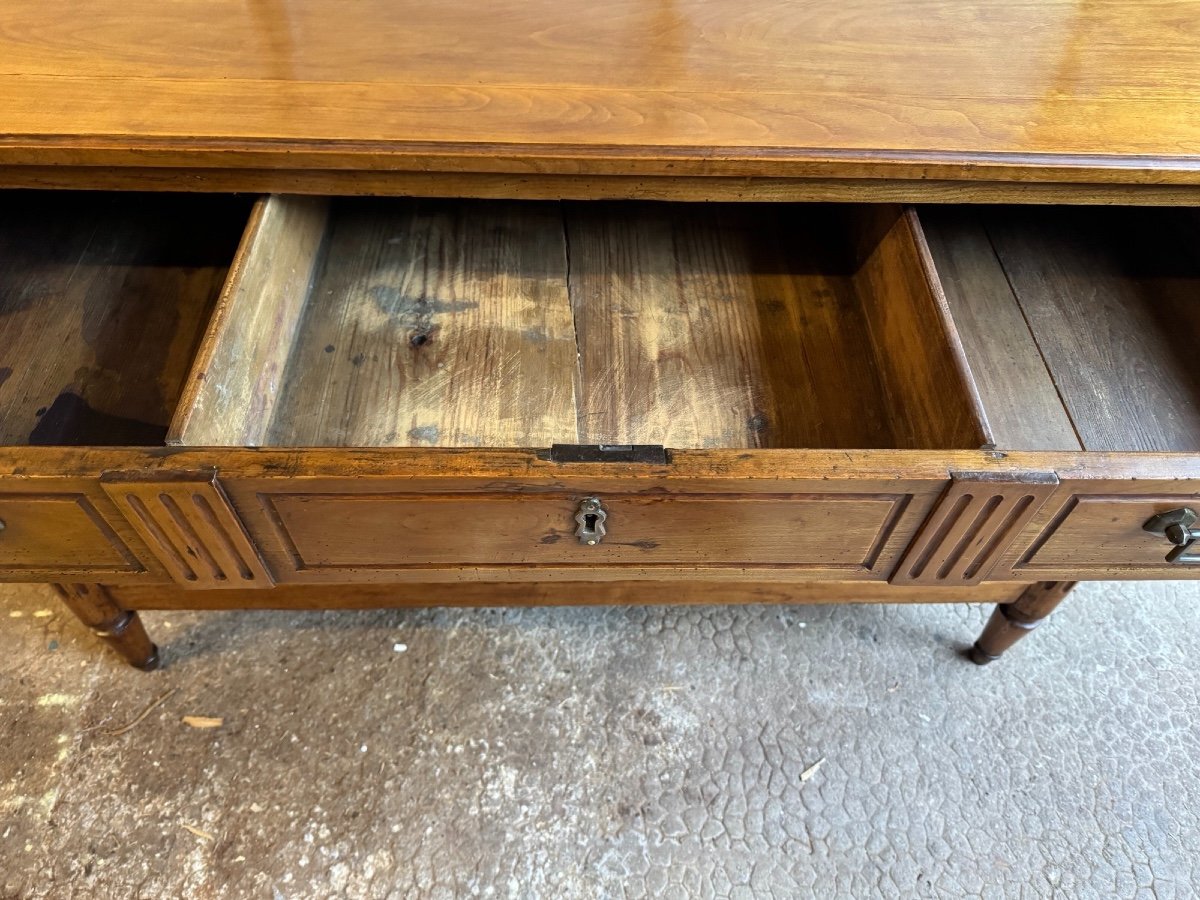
(364, 533)
(1102, 536)
(58, 533)
(193, 530)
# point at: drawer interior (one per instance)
(450, 323)
(103, 301)
(1081, 325)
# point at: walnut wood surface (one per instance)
(457, 323)
(336, 532)
(568, 593)
(550, 186)
(103, 300)
(928, 89)
(1010, 622)
(120, 627)
(926, 381)
(191, 528)
(1106, 541)
(974, 522)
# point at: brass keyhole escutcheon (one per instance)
(590, 519)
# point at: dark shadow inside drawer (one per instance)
(104, 299)
(1080, 325)
(448, 323)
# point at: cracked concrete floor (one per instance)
(606, 752)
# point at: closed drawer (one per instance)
(1097, 535)
(359, 533)
(59, 535)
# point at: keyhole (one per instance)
(589, 522)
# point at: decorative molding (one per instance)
(192, 528)
(974, 522)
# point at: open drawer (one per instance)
(725, 339)
(104, 299)
(769, 392)
(1081, 328)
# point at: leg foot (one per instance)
(121, 628)
(1012, 621)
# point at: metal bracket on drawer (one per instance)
(647, 454)
(1176, 526)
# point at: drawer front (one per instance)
(1093, 532)
(355, 533)
(512, 516)
(59, 535)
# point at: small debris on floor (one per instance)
(811, 770)
(198, 832)
(204, 721)
(145, 712)
(399, 648)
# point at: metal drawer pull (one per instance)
(1176, 526)
(591, 518)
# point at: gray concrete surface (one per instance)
(633, 752)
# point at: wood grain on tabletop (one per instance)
(1053, 90)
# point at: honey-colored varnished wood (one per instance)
(563, 593)
(103, 299)
(192, 529)
(1048, 90)
(974, 522)
(550, 186)
(917, 350)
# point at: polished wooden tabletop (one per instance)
(1017, 90)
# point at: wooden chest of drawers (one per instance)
(706, 318)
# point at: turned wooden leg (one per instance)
(122, 628)
(1012, 621)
